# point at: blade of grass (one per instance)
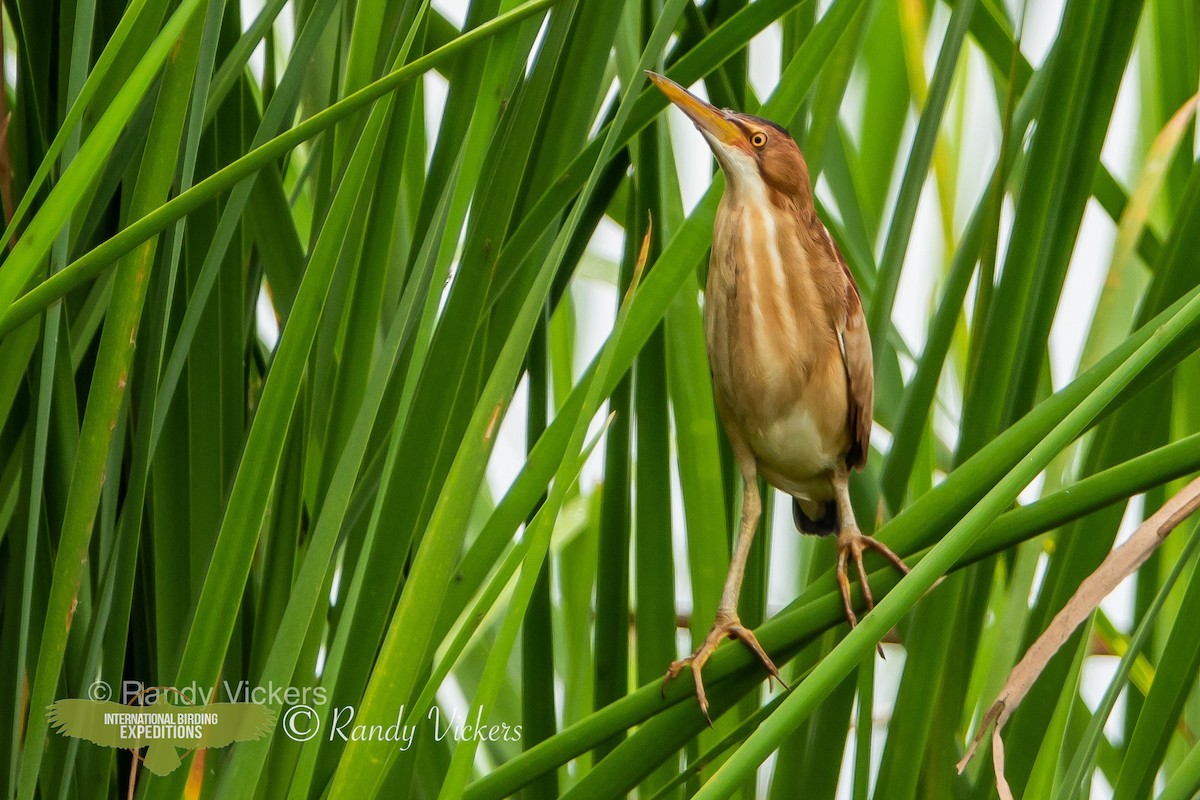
(915, 173)
(613, 555)
(654, 566)
(1140, 426)
(105, 399)
(1049, 209)
(303, 599)
(208, 636)
(1083, 762)
(1173, 681)
(537, 632)
(394, 677)
(136, 14)
(84, 20)
(1118, 299)
(100, 257)
(39, 235)
(1182, 784)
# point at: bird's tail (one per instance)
(815, 518)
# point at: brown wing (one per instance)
(860, 376)
(860, 366)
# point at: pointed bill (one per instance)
(708, 118)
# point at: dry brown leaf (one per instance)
(640, 265)
(1118, 565)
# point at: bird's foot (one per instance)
(725, 625)
(851, 543)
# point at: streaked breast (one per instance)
(768, 339)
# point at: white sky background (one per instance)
(918, 292)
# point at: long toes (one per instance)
(862, 579)
(672, 672)
(772, 670)
(844, 587)
(750, 640)
(700, 696)
(886, 552)
(875, 544)
(724, 627)
(866, 587)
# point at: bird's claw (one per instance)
(721, 628)
(851, 544)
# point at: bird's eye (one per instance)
(758, 139)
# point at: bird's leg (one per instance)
(727, 623)
(850, 544)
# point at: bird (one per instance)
(790, 356)
(160, 727)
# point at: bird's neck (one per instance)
(749, 190)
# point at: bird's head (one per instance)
(753, 152)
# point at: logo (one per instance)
(162, 728)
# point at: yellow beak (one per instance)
(708, 118)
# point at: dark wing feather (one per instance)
(860, 366)
(237, 722)
(84, 719)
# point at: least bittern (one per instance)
(789, 352)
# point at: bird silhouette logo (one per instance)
(162, 728)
